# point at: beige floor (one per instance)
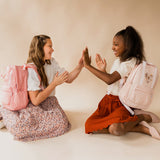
(75, 145)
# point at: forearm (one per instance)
(39, 96)
(73, 75)
(103, 75)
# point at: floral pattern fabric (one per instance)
(36, 122)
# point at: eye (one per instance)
(116, 44)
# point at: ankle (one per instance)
(145, 117)
(149, 119)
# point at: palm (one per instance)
(86, 58)
(101, 64)
(80, 63)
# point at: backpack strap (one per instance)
(154, 77)
(26, 66)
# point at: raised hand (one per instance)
(86, 58)
(101, 64)
(80, 63)
(59, 79)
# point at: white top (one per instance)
(50, 70)
(123, 68)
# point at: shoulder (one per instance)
(33, 80)
(116, 61)
(129, 63)
(53, 66)
(53, 62)
(125, 67)
(32, 74)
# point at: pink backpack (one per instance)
(138, 89)
(14, 95)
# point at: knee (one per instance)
(116, 129)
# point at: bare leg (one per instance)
(140, 128)
(129, 125)
(103, 131)
(122, 128)
(119, 129)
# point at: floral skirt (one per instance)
(110, 110)
(36, 122)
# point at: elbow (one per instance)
(35, 103)
(109, 82)
(69, 80)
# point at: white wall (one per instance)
(73, 24)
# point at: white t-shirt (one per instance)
(50, 70)
(123, 68)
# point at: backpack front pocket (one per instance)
(141, 97)
(20, 100)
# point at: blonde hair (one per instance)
(36, 56)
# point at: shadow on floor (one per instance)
(77, 118)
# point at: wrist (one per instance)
(79, 67)
(103, 70)
(54, 84)
(87, 66)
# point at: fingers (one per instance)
(98, 58)
(86, 58)
(57, 74)
(104, 61)
(81, 60)
(64, 79)
(85, 51)
(59, 79)
(64, 75)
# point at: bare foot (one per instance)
(141, 128)
(152, 130)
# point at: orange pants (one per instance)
(110, 110)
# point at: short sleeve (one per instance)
(33, 81)
(126, 67)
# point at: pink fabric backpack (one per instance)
(14, 95)
(138, 89)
